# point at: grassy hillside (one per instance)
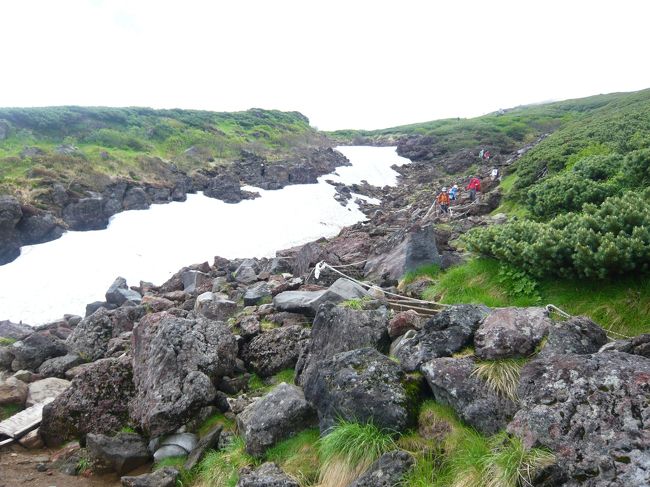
(507, 129)
(75, 143)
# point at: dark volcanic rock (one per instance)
(638, 345)
(91, 337)
(454, 384)
(96, 402)
(256, 293)
(175, 361)
(387, 471)
(136, 199)
(417, 248)
(275, 350)
(360, 385)
(403, 322)
(58, 366)
(32, 351)
(86, 214)
(120, 453)
(577, 335)
(511, 332)
(594, 411)
(119, 292)
(282, 413)
(266, 475)
(38, 228)
(339, 329)
(446, 333)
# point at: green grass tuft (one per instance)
(227, 424)
(357, 303)
(427, 270)
(8, 410)
(502, 376)
(221, 468)
(298, 456)
(4, 341)
(349, 449)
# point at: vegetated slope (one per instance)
(589, 259)
(38, 145)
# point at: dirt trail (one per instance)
(18, 469)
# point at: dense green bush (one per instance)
(607, 240)
(591, 180)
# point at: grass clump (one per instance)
(511, 464)
(298, 456)
(427, 270)
(286, 375)
(349, 449)
(4, 341)
(227, 424)
(186, 477)
(127, 429)
(502, 376)
(221, 468)
(357, 303)
(8, 410)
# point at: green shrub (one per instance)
(607, 240)
(518, 283)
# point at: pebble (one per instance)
(41, 467)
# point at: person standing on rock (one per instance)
(473, 186)
(443, 201)
(453, 193)
(480, 154)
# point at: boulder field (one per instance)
(162, 360)
(139, 377)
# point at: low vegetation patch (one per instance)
(502, 376)
(349, 449)
(428, 270)
(216, 419)
(221, 468)
(620, 305)
(298, 457)
(4, 341)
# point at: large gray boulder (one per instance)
(266, 475)
(90, 338)
(453, 382)
(272, 351)
(120, 453)
(32, 351)
(86, 214)
(118, 293)
(175, 361)
(96, 402)
(416, 248)
(280, 414)
(446, 333)
(387, 471)
(246, 273)
(339, 329)
(594, 411)
(511, 332)
(360, 385)
(214, 306)
(58, 366)
(577, 335)
(256, 293)
(308, 302)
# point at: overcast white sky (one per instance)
(344, 64)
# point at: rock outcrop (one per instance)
(175, 361)
(593, 410)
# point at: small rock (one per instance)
(165, 477)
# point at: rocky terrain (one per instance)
(138, 379)
(89, 208)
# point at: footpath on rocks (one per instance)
(208, 378)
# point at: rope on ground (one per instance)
(552, 307)
(322, 265)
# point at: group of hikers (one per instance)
(445, 198)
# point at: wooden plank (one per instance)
(24, 420)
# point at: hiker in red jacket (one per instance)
(473, 186)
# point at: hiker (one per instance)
(494, 174)
(480, 154)
(443, 200)
(453, 192)
(473, 186)
(487, 155)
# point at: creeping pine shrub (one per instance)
(603, 241)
